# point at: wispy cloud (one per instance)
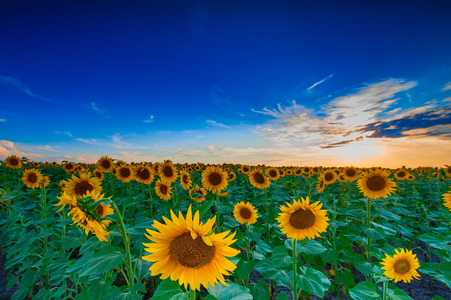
(19, 86)
(96, 108)
(45, 148)
(66, 133)
(150, 120)
(447, 87)
(88, 141)
(319, 82)
(216, 124)
(3, 120)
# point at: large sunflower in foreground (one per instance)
(32, 178)
(245, 213)
(214, 179)
(302, 220)
(402, 265)
(447, 198)
(105, 164)
(186, 250)
(258, 179)
(13, 162)
(376, 184)
(79, 186)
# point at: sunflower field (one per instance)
(116, 230)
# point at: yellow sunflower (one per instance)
(143, 173)
(185, 180)
(245, 169)
(231, 176)
(329, 176)
(13, 162)
(88, 218)
(320, 186)
(163, 190)
(401, 175)
(79, 186)
(302, 220)
(167, 172)
(105, 164)
(447, 198)
(32, 178)
(186, 250)
(97, 173)
(402, 265)
(45, 181)
(272, 173)
(197, 190)
(124, 173)
(258, 179)
(245, 213)
(69, 167)
(214, 179)
(376, 184)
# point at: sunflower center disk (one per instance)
(144, 174)
(272, 173)
(185, 179)
(215, 179)
(14, 162)
(402, 174)
(376, 183)
(106, 164)
(191, 253)
(163, 189)
(99, 209)
(245, 213)
(402, 266)
(167, 171)
(125, 172)
(302, 219)
(32, 178)
(350, 173)
(328, 176)
(259, 178)
(82, 188)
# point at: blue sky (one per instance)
(274, 82)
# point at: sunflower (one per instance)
(448, 171)
(97, 173)
(231, 176)
(62, 184)
(79, 186)
(168, 172)
(401, 175)
(89, 218)
(143, 173)
(245, 169)
(197, 190)
(245, 213)
(124, 173)
(163, 190)
(320, 186)
(447, 198)
(185, 180)
(298, 172)
(376, 184)
(302, 220)
(214, 179)
(350, 173)
(272, 173)
(259, 180)
(13, 162)
(329, 176)
(105, 164)
(32, 178)
(402, 265)
(186, 250)
(69, 167)
(45, 181)
(155, 168)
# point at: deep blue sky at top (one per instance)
(96, 68)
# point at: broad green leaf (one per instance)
(397, 294)
(102, 263)
(362, 265)
(313, 281)
(282, 296)
(345, 277)
(244, 269)
(364, 291)
(280, 257)
(169, 289)
(232, 292)
(312, 247)
(260, 290)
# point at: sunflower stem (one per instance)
(368, 222)
(217, 212)
(384, 291)
(294, 289)
(192, 294)
(126, 238)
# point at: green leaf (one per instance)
(260, 290)
(282, 296)
(375, 233)
(329, 255)
(312, 247)
(267, 270)
(345, 278)
(244, 269)
(204, 207)
(102, 263)
(364, 291)
(280, 257)
(397, 294)
(169, 289)
(313, 281)
(362, 265)
(232, 292)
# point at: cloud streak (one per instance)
(95, 107)
(19, 86)
(150, 120)
(216, 124)
(319, 82)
